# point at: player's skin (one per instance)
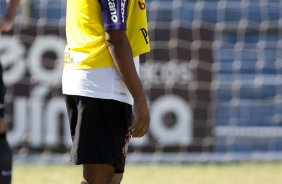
(121, 53)
(120, 50)
(6, 24)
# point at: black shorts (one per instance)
(99, 130)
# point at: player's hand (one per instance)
(5, 25)
(141, 119)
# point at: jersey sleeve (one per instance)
(114, 13)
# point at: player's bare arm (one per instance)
(122, 55)
(6, 22)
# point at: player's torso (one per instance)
(87, 47)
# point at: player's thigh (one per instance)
(98, 173)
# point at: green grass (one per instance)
(243, 173)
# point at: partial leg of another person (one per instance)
(5, 160)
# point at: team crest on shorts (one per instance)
(125, 147)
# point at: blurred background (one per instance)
(213, 81)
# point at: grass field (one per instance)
(241, 173)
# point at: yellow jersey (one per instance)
(86, 23)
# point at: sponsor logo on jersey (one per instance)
(67, 58)
(145, 34)
(113, 10)
(123, 2)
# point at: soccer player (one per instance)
(104, 96)
(6, 23)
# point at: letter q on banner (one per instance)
(39, 48)
(181, 132)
